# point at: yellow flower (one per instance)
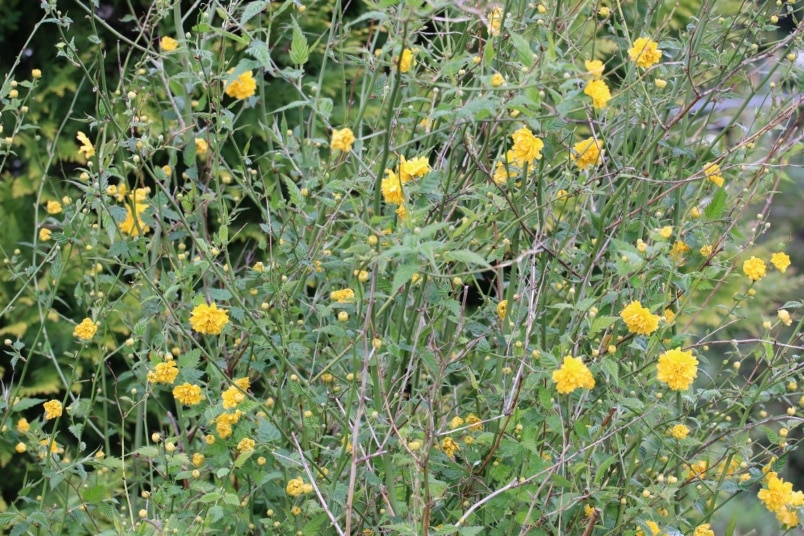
(654, 529)
(36, 73)
(754, 268)
(449, 446)
(679, 431)
(474, 423)
(130, 226)
(242, 87)
(165, 372)
(678, 250)
(587, 153)
(527, 147)
(594, 67)
(661, 84)
(246, 444)
(295, 510)
(85, 330)
(224, 422)
(706, 250)
(342, 140)
(168, 44)
(784, 317)
(406, 61)
(495, 21)
(295, 487)
(639, 319)
(503, 170)
(86, 148)
(572, 375)
(20, 447)
(677, 369)
(392, 188)
(599, 91)
(244, 383)
(53, 409)
(781, 261)
(669, 316)
(45, 234)
(201, 147)
(23, 426)
(53, 207)
(232, 397)
(645, 52)
(666, 231)
(198, 459)
(414, 168)
(502, 309)
(456, 422)
(777, 495)
(345, 295)
(187, 394)
(712, 172)
(208, 319)
(497, 80)
(401, 212)
(604, 11)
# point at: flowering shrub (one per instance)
(421, 268)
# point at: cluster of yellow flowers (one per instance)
(242, 87)
(573, 374)
(391, 185)
(297, 486)
(756, 269)
(85, 330)
(779, 497)
(342, 140)
(164, 372)
(208, 319)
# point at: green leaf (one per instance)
(95, 494)
(251, 10)
(469, 258)
(715, 207)
(600, 323)
(299, 49)
(267, 432)
(403, 274)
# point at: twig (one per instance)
(315, 486)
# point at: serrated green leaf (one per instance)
(469, 258)
(299, 49)
(715, 207)
(600, 323)
(251, 10)
(403, 274)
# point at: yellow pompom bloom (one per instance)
(295, 487)
(345, 295)
(573, 374)
(449, 446)
(246, 444)
(53, 409)
(666, 231)
(661, 84)
(712, 172)
(502, 309)
(600, 93)
(474, 422)
(654, 529)
(784, 317)
(406, 61)
(639, 319)
(679, 431)
(504, 170)
(198, 459)
(131, 225)
(168, 44)
(20, 447)
(232, 397)
(495, 21)
(754, 268)
(86, 149)
(677, 369)
(165, 372)
(781, 261)
(45, 234)
(36, 73)
(497, 80)
(85, 330)
(53, 207)
(527, 147)
(456, 422)
(392, 188)
(587, 153)
(242, 87)
(342, 140)
(187, 394)
(208, 319)
(201, 147)
(645, 52)
(23, 426)
(412, 169)
(594, 67)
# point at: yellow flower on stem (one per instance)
(246, 444)
(712, 172)
(86, 149)
(645, 52)
(208, 319)
(587, 153)
(527, 147)
(53, 207)
(168, 44)
(405, 61)
(502, 309)
(639, 319)
(295, 487)
(133, 226)
(677, 369)
(53, 409)
(495, 21)
(165, 372)
(600, 93)
(187, 394)
(342, 140)
(754, 268)
(573, 374)
(85, 330)
(781, 261)
(242, 87)
(497, 80)
(449, 446)
(392, 189)
(679, 431)
(594, 67)
(414, 168)
(345, 295)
